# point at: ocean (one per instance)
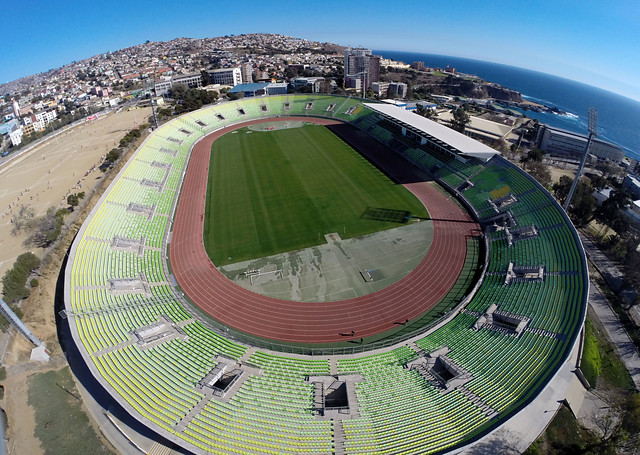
(618, 116)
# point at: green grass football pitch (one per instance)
(282, 190)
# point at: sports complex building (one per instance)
(216, 368)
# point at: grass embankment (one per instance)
(591, 360)
(62, 426)
(604, 370)
(283, 190)
(612, 374)
(563, 436)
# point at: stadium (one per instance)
(429, 364)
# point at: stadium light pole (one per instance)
(362, 73)
(593, 132)
(150, 87)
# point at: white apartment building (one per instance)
(226, 76)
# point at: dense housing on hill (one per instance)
(207, 392)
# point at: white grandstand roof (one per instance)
(432, 130)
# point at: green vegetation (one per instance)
(283, 190)
(46, 229)
(591, 361)
(460, 119)
(612, 371)
(190, 99)
(112, 156)
(58, 409)
(74, 199)
(563, 436)
(619, 430)
(14, 282)
(583, 203)
(130, 137)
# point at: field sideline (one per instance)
(283, 190)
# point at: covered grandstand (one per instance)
(192, 383)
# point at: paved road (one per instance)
(626, 349)
(608, 269)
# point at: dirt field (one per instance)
(44, 176)
(48, 173)
(557, 172)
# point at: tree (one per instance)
(206, 78)
(611, 212)
(46, 229)
(290, 72)
(112, 156)
(583, 204)
(21, 219)
(533, 155)
(562, 187)
(72, 200)
(460, 120)
(425, 111)
(15, 279)
(619, 427)
(539, 171)
(164, 112)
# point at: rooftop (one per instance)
(252, 87)
(436, 132)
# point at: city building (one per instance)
(16, 108)
(261, 89)
(189, 80)
(9, 126)
(226, 76)
(418, 66)
(398, 90)
(631, 185)
(247, 73)
(479, 128)
(29, 129)
(380, 89)
(314, 83)
(162, 87)
(16, 137)
(277, 88)
(360, 65)
(567, 144)
(46, 117)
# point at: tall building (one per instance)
(361, 67)
(16, 109)
(247, 73)
(226, 76)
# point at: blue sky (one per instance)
(595, 42)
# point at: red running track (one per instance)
(306, 322)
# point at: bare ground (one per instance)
(70, 159)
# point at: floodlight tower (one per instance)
(364, 75)
(150, 85)
(593, 132)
